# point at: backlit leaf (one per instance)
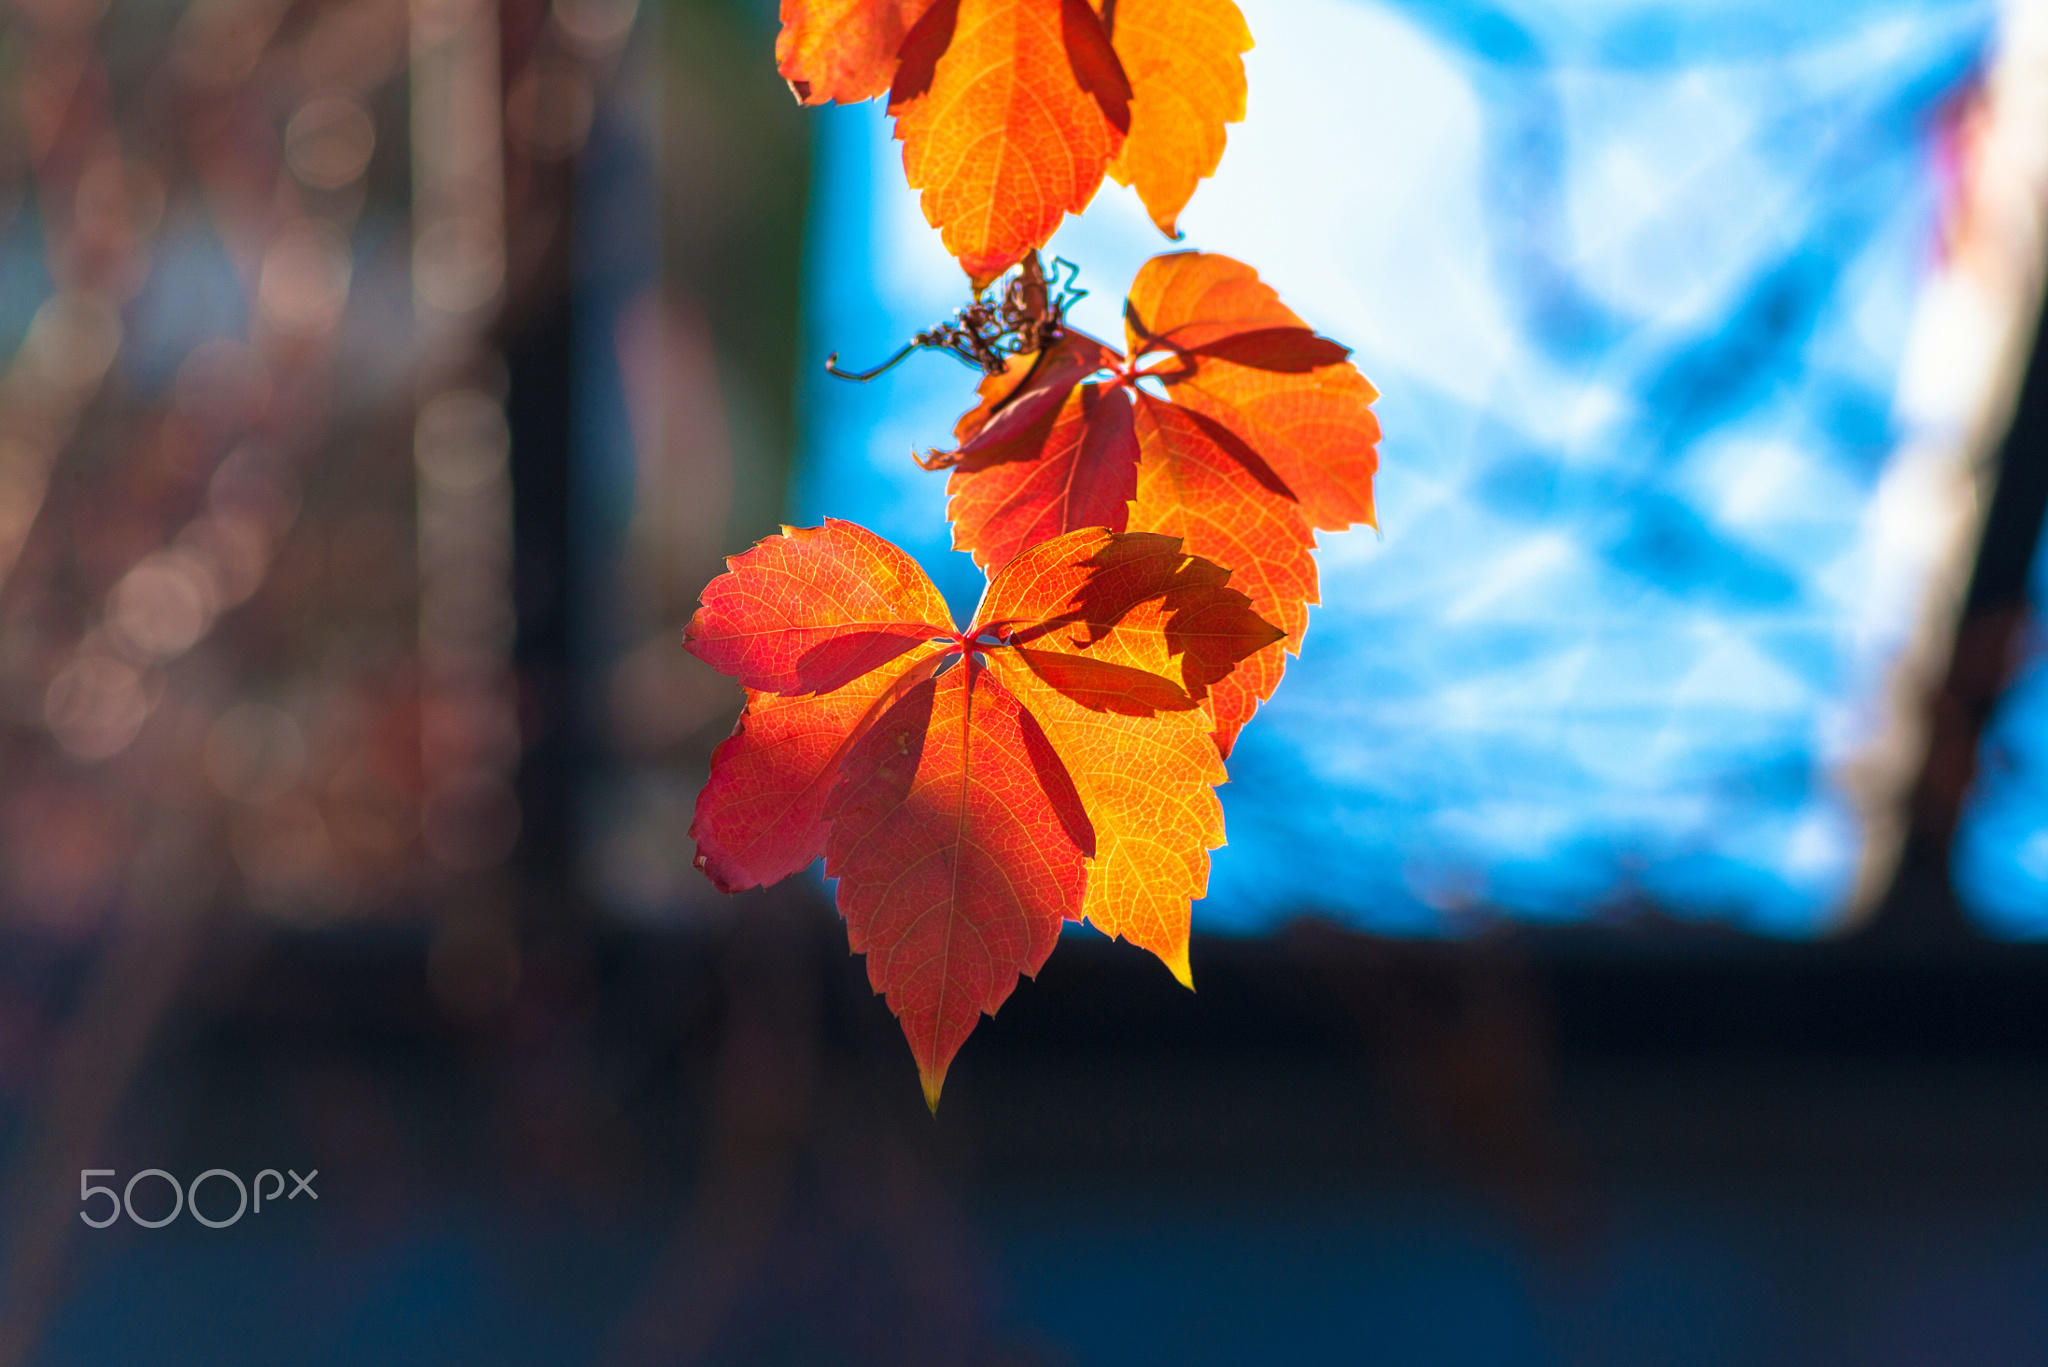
(1027, 468)
(1148, 781)
(955, 867)
(843, 50)
(1145, 767)
(1266, 433)
(762, 816)
(814, 608)
(1076, 466)
(1009, 112)
(1244, 359)
(1185, 62)
(975, 790)
(1198, 482)
(1130, 599)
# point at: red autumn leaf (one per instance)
(776, 770)
(816, 610)
(979, 788)
(1073, 466)
(1107, 687)
(960, 846)
(1265, 433)
(843, 51)
(1030, 388)
(1011, 111)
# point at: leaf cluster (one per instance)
(1146, 517)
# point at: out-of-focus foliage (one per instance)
(256, 609)
(207, 623)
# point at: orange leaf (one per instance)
(1268, 435)
(1244, 359)
(1186, 68)
(1104, 686)
(1148, 782)
(1130, 599)
(1145, 769)
(976, 790)
(1009, 112)
(843, 50)
(1198, 482)
(814, 608)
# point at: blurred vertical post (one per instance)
(1970, 488)
(690, 313)
(469, 723)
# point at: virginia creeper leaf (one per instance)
(1145, 765)
(1107, 687)
(1198, 482)
(1149, 782)
(1247, 361)
(1031, 387)
(1134, 600)
(1185, 62)
(764, 817)
(1016, 473)
(955, 866)
(814, 608)
(1009, 112)
(974, 790)
(843, 50)
(1266, 433)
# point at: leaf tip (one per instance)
(932, 1080)
(1177, 964)
(1226, 738)
(702, 864)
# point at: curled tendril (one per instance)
(1027, 315)
(832, 363)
